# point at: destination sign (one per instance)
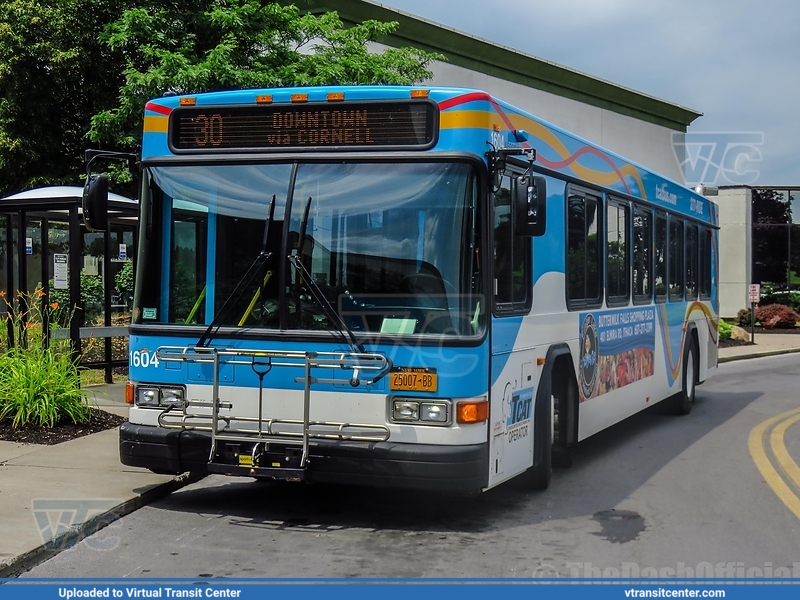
(339, 126)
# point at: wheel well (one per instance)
(565, 389)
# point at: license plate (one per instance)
(413, 379)
(245, 460)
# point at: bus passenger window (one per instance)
(583, 250)
(705, 263)
(617, 254)
(642, 256)
(675, 260)
(660, 254)
(691, 262)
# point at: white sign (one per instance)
(28, 245)
(123, 251)
(60, 278)
(754, 292)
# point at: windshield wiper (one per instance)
(242, 284)
(330, 312)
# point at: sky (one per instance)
(736, 61)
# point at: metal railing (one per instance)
(200, 415)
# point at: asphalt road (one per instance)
(709, 494)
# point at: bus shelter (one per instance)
(46, 254)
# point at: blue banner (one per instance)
(366, 589)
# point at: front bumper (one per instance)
(378, 464)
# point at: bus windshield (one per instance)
(393, 248)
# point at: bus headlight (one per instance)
(403, 410)
(157, 396)
(423, 412)
(433, 411)
(172, 396)
(147, 396)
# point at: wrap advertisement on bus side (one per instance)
(616, 348)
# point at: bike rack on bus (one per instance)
(194, 415)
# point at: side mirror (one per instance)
(95, 202)
(530, 205)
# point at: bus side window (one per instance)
(617, 269)
(691, 261)
(584, 246)
(705, 263)
(511, 257)
(660, 254)
(642, 256)
(675, 259)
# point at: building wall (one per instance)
(735, 264)
(645, 143)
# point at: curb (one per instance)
(16, 565)
(757, 354)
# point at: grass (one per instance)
(40, 383)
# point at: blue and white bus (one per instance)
(401, 286)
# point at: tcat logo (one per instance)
(520, 407)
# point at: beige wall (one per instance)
(645, 143)
(734, 249)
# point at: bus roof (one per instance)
(468, 119)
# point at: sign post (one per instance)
(755, 295)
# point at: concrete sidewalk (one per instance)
(51, 497)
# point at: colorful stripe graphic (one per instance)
(567, 160)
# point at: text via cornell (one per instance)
(206, 591)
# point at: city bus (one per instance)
(411, 287)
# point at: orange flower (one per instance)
(28, 324)
(54, 305)
(39, 293)
(2, 294)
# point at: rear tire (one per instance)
(685, 400)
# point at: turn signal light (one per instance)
(129, 392)
(472, 412)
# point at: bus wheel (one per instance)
(685, 399)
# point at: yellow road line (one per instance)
(779, 450)
(768, 472)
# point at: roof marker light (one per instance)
(299, 97)
(264, 99)
(335, 96)
(188, 101)
(420, 93)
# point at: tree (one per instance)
(190, 47)
(772, 217)
(54, 76)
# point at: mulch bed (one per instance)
(61, 432)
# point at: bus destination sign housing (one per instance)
(344, 126)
